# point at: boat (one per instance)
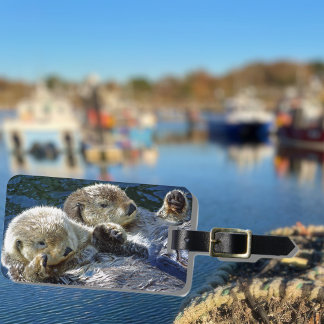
(311, 137)
(245, 119)
(111, 120)
(302, 125)
(45, 126)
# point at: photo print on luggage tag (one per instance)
(96, 234)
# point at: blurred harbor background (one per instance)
(73, 127)
(224, 101)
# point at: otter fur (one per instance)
(42, 243)
(100, 203)
(175, 206)
(107, 203)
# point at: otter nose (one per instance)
(131, 209)
(67, 251)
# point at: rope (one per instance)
(289, 290)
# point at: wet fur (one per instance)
(172, 214)
(26, 262)
(146, 233)
(83, 206)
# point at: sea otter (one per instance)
(107, 203)
(42, 243)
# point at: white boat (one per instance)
(45, 123)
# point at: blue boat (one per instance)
(244, 120)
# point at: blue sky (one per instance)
(122, 39)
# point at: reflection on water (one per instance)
(247, 156)
(74, 165)
(304, 165)
(254, 197)
(62, 165)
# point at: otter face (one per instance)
(100, 203)
(41, 231)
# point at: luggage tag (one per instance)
(115, 236)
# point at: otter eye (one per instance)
(103, 205)
(41, 243)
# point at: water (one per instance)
(244, 187)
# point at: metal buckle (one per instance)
(213, 242)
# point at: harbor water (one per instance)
(236, 186)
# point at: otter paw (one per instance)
(36, 270)
(176, 201)
(113, 233)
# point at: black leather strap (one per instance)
(231, 243)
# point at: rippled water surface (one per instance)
(236, 187)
